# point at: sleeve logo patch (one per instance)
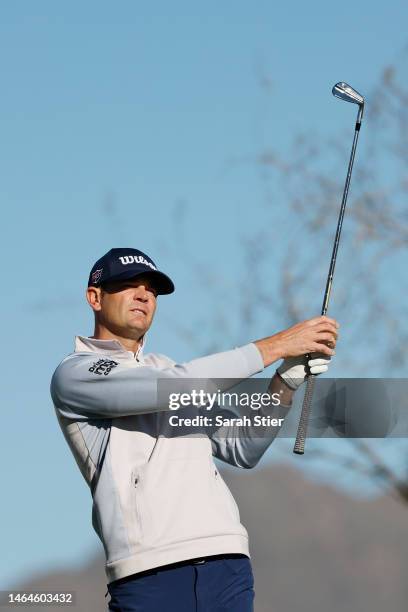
(103, 366)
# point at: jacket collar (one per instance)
(107, 347)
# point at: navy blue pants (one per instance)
(224, 583)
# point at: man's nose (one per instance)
(141, 294)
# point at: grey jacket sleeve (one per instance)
(244, 445)
(78, 393)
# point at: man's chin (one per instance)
(136, 332)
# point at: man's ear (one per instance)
(93, 296)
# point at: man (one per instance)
(169, 525)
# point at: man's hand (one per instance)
(293, 370)
(317, 335)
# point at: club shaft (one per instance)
(330, 276)
(299, 447)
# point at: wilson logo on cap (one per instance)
(129, 259)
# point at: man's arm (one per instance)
(78, 392)
(244, 445)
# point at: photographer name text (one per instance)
(221, 421)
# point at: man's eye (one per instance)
(130, 286)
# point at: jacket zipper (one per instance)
(136, 493)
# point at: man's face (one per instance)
(127, 307)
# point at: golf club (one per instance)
(348, 94)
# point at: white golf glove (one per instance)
(293, 369)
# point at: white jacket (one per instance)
(158, 498)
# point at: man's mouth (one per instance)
(138, 310)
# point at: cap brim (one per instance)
(161, 282)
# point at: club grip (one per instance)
(299, 447)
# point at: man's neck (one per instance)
(130, 344)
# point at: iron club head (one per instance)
(346, 92)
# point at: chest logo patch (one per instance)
(103, 366)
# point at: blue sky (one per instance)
(147, 105)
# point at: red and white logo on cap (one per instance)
(96, 276)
